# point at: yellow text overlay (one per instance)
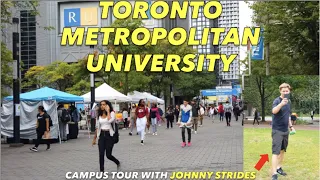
(142, 36)
(158, 62)
(213, 175)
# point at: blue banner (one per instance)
(215, 92)
(257, 52)
(221, 92)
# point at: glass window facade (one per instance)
(28, 45)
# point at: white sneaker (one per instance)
(152, 134)
(195, 132)
(149, 132)
(156, 134)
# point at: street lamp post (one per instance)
(16, 83)
(92, 89)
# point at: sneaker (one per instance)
(48, 149)
(189, 144)
(275, 177)
(152, 134)
(183, 144)
(130, 133)
(195, 132)
(281, 172)
(34, 149)
(156, 134)
(149, 132)
(142, 142)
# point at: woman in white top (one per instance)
(104, 132)
(125, 118)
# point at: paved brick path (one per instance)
(216, 147)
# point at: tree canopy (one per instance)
(292, 30)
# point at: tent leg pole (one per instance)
(58, 125)
(88, 125)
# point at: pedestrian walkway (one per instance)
(216, 147)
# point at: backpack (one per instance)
(50, 120)
(160, 111)
(65, 117)
(228, 109)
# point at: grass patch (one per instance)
(301, 122)
(301, 161)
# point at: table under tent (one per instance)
(29, 102)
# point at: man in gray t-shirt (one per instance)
(281, 111)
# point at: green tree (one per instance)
(131, 25)
(6, 69)
(291, 36)
(260, 91)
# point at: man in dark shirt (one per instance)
(280, 134)
(195, 115)
(42, 128)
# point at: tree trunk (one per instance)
(126, 83)
(165, 96)
(263, 102)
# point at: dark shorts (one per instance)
(279, 141)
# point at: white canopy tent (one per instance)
(136, 96)
(106, 92)
(150, 97)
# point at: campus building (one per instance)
(40, 46)
(200, 23)
(229, 18)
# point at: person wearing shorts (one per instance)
(281, 110)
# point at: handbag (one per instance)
(115, 136)
(46, 135)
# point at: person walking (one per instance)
(160, 120)
(221, 111)
(201, 113)
(294, 117)
(154, 115)
(185, 122)
(125, 118)
(63, 118)
(132, 118)
(42, 128)
(195, 115)
(236, 111)
(256, 116)
(228, 112)
(170, 117)
(212, 112)
(281, 123)
(176, 112)
(142, 114)
(104, 132)
(312, 114)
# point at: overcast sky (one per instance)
(245, 20)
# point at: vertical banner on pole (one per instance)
(258, 50)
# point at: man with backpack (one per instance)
(63, 117)
(44, 123)
(228, 110)
(236, 111)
